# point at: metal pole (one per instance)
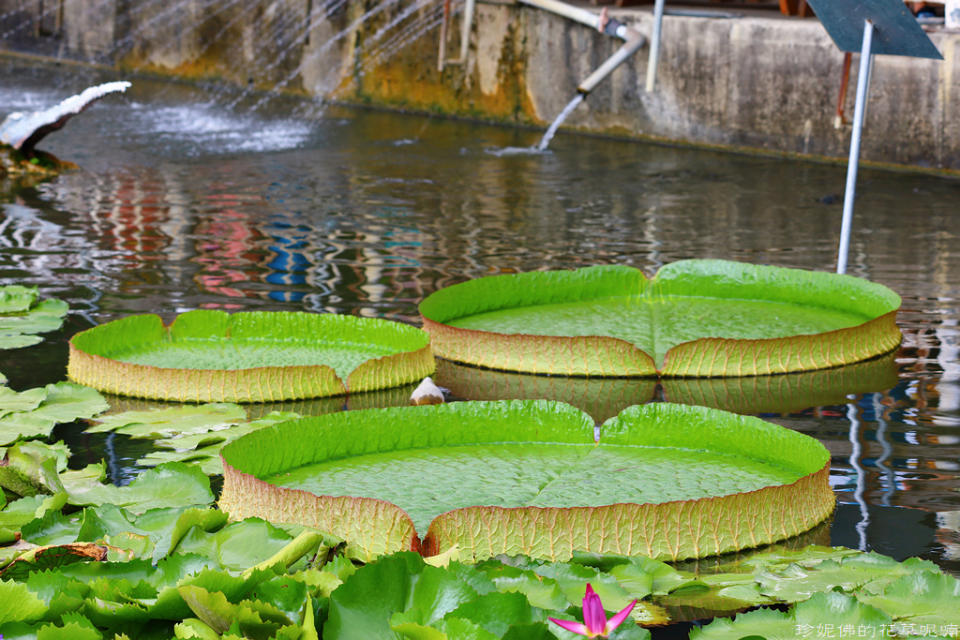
(863, 80)
(654, 58)
(465, 30)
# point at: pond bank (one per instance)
(742, 79)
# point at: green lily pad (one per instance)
(170, 485)
(695, 318)
(525, 477)
(62, 402)
(203, 449)
(171, 421)
(21, 318)
(921, 598)
(213, 356)
(826, 613)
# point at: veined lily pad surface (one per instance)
(213, 356)
(694, 318)
(664, 480)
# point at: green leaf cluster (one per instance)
(401, 596)
(33, 413)
(835, 589)
(149, 560)
(22, 316)
(192, 434)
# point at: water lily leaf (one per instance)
(195, 628)
(52, 529)
(31, 467)
(38, 452)
(19, 604)
(924, 598)
(255, 356)
(284, 593)
(52, 557)
(18, 482)
(15, 298)
(822, 610)
(171, 484)
(203, 449)
(181, 420)
(220, 614)
(541, 592)
(362, 606)
(781, 557)
(60, 593)
(612, 321)
(237, 546)
(64, 402)
(24, 425)
(497, 612)
(643, 576)
(18, 340)
(69, 631)
(377, 473)
(324, 582)
(20, 512)
(46, 316)
(12, 401)
(795, 582)
(21, 316)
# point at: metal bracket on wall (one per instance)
(466, 27)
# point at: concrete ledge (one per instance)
(759, 81)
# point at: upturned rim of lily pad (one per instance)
(715, 356)
(94, 357)
(673, 530)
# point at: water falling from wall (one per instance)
(567, 110)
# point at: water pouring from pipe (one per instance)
(552, 130)
(628, 48)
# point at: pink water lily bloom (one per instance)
(595, 623)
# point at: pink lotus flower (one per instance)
(595, 623)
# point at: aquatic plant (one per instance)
(509, 477)
(128, 566)
(22, 316)
(34, 412)
(699, 318)
(213, 356)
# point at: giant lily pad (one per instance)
(213, 356)
(695, 318)
(527, 477)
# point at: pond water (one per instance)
(183, 204)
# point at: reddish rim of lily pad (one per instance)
(714, 356)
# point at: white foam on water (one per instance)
(207, 129)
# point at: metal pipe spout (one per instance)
(619, 57)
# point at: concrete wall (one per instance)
(759, 81)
